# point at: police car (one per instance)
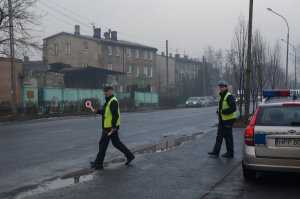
(272, 139)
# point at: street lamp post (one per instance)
(295, 85)
(287, 46)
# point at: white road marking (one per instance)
(64, 130)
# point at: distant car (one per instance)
(196, 102)
(211, 100)
(272, 140)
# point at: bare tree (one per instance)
(219, 61)
(275, 73)
(239, 49)
(25, 22)
(214, 57)
(209, 54)
(259, 70)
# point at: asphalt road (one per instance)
(185, 171)
(33, 152)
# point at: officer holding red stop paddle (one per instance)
(110, 126)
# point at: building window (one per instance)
(30, 73)
(129, 69)
(117, 51)
(85, 45)
(151, 71)
(137, 71)
(121, 89)
(145, 55)
(137, 53)
(150, 56)
(128, 52)
(145, 71)
(68, 48)
(55, 49)
(109, 50)
(109, 66)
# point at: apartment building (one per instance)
(165, 83)
(137, 62)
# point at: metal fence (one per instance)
(72, 99)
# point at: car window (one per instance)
(279, 116)
(192, 99)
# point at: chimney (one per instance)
(162, 53)
(106, 35)
(186, 57)
(170, 54)
(177, 56)
(114, 35)
(97, 33)
(77, 30)
(26, 58)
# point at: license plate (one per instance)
(287, 142)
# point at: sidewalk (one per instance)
(185, 171)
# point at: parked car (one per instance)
(272, 140)
(204, 101)
(196, 102)
(211, 100)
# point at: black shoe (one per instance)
(227, 155)
(129, 160)
(96, 165)
(214, 153)
(93, 162)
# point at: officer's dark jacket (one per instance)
(114, 111)
(232, 108)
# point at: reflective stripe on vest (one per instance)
(108, 114)
(225, 105)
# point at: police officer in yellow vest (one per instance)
(227, 116)
(110, 126)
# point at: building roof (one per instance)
(91, 69)
(58, 66)
(105, 41)
(34, 66)
(87, 77)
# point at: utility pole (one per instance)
(12, 56)
(248, 70)
(204, 76)
(167, 65)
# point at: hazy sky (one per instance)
(189, 25)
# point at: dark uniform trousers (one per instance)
(103, 144)
(226, 133)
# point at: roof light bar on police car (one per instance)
(281, 93)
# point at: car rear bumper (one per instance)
(252, 162)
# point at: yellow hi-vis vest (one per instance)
(108, 115)
(225, 105)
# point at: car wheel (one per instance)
(248, 174)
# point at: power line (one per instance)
(89, 21)
(58, 11)
(75, 14)
(141, 38)
(61, 20)
(144, 40)
(72, 18)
